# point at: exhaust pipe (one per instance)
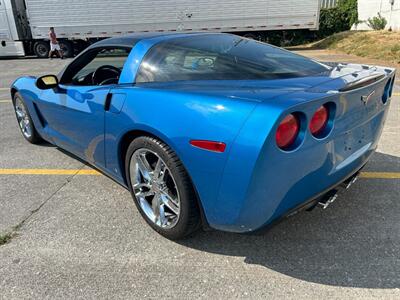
(332, 195)
(349, 182)
(328, 199)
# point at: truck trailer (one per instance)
(24, 24)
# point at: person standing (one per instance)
(54, 45)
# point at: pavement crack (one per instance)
(8, 236)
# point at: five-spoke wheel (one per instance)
(24, 119)
(155, 188)
(161, 188)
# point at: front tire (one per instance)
(161, 188)
(41, 49)
(24, 119)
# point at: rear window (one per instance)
(222, 57)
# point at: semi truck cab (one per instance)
(11, 43)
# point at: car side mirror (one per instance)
(47, 82)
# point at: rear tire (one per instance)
(24, 120)
(41, 49)
(67, 48)
(177, 214)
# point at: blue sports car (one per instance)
(210, 129)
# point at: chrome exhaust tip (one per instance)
(328, 199)
(349, 182)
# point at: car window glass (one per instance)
(110, 60)
(222, 57)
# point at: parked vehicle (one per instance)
(24, 24)
(210, 128)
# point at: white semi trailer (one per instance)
(24, 24)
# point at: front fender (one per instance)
(26, 87)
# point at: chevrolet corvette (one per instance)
(210, 129)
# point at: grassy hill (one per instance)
(383, 45)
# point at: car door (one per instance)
(74, 112)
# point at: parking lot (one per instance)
(77, 234)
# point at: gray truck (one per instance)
(24, 24)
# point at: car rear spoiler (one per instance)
(364, 81)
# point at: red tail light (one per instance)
(209, 145)
(287, 131)
(319, 120)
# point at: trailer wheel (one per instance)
(67, 48)
(80, 45)
(41, 49)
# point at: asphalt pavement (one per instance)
(77, 234)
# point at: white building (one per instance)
(389, 9)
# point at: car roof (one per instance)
(130, 40)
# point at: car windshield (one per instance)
(222, 57)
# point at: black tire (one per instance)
(189, 219)
(80, 45)
(41, 49)
(67, 48)
(34, 138)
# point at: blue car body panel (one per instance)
(253, 182)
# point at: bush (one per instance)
(377, 23)
(339, 18)
(350, 10)
(331, 21)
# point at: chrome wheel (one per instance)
(23, 118)
(155, 188)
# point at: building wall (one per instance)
(389, 9)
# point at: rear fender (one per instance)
(176, 118)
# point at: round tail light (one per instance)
(319, 121)
(287, 131)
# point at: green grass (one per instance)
(383, 45)
(5, 238)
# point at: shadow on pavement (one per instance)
(354, 243)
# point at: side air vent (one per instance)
(42, 120)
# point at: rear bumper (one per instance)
(269, 201)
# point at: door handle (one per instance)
(118, 100)
(107, 103)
